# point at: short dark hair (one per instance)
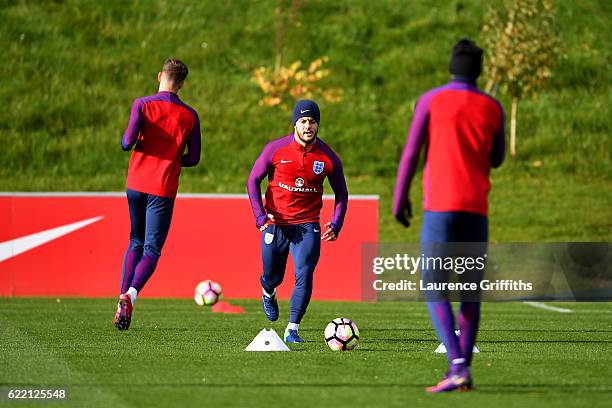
(176, 70)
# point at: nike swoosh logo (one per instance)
(304, 111)
(316, 230)
(14, 247)
(286, 161)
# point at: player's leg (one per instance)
(473, 229)
(130, 260)
(305, 250)
(158, 219)
(458, 376)
(137, 204)
(274, 253)
(437, 231)
(469, 320)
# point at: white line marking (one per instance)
(548, 307)
(14, 247)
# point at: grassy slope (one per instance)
(176, 352)
(74, 67)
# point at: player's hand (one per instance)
(405, 213)
(266, 225)
(329, 235)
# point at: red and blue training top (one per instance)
(295, 183)
(463, 130)
(160, 127)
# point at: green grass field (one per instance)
(177, 354)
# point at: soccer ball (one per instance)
(207, 293)
(342, 334)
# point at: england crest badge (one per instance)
(268, 238)
(318, 167)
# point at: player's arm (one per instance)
(259, 171)
(498, 150)
(130, 136)
(338, 184)
(194, 145)
(402, 209)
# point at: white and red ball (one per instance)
(207, 293)
(342, 334)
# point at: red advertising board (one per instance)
(72, 244)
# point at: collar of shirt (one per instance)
(301, 148)
(168, 94)
(463, 80)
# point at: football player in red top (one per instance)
(462, 130)
(159, 129)
(296, 166)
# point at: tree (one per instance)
(282, 85)
(521, 44)
(291, 83)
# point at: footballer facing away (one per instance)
(159, 129)
(296, 166)
(463, 131)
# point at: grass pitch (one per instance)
(177, 354)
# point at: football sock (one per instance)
(443, 321)
(300, 298)
(143, 272)
(130, 260)
(293, 326)
(268, 294)
(133, 293)
(457, 365)
(469, 318)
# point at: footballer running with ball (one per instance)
(463, 131)
(296, 166)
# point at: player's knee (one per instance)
(271, 281)
(151, 251)
(135, 244)
(304, 280)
